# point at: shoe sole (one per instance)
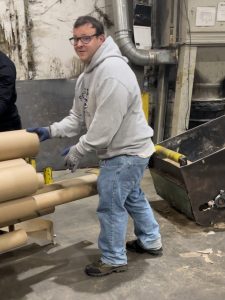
(118, 270)
(142, 251)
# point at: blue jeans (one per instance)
(119, 195)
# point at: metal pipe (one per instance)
(170, 154)
(161, 105)
(123, 36)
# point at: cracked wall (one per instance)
(35, 33)
(13, 34)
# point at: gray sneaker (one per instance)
(101, 269)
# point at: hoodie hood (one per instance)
(108, 49)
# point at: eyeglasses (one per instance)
(84, 39)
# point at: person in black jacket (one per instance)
(9, 116)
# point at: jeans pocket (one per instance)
(116, 162)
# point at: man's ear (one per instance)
(102, 38)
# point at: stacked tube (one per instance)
(23, 195)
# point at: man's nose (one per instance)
(79, 43)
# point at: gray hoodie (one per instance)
(108, 102)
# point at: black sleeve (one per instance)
(7, 86)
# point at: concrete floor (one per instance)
(191, 268)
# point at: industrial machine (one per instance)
(194, 88)
(185, 61)
(188, 171)
(181, 46)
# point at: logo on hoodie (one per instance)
(84, 97)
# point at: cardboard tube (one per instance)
(35, 215)
(18, 181)
(12, 163)
(70, 190)
(65, 195)
(18, 144)
(17, 209)
(11, 240)
(40, 229)
(29, 213)
(41, 180)
(70, 182)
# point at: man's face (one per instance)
(87, 47)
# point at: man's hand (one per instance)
(42, 132)
(72, 159)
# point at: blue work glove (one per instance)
(42, 132)
(72, 159)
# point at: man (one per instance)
(108, 101)
(9, 117)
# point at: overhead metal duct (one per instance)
(123, 36)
